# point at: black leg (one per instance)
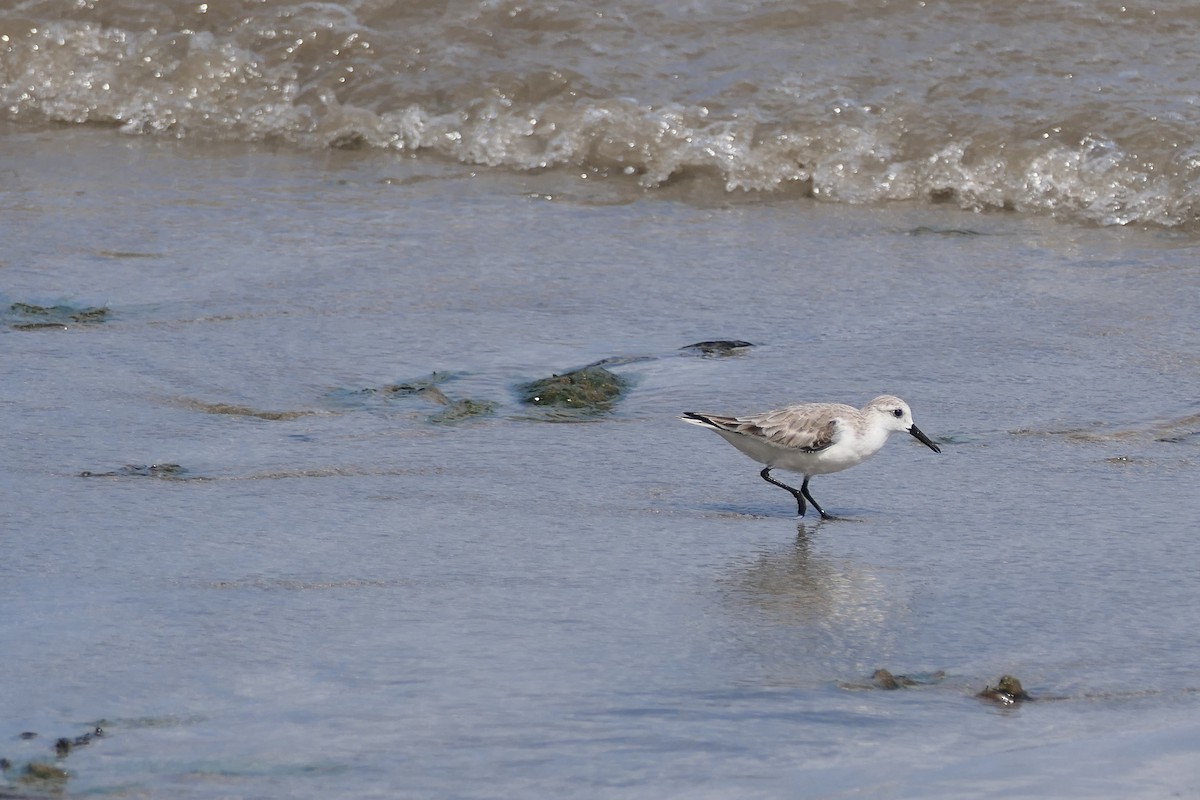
(804, 491)
(766, 476)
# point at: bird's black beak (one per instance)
(923, 439)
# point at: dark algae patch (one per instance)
(39, 773)
(884, 679)
(245, 411)
(456, 410)
(591, 390)
(420, 387)
(1007, 691)
(43, 776)
(428, 391)
(923, 230)
(576, 395)
(168, 471)
(718, 347)
(29, 317)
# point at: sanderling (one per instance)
(814, 438)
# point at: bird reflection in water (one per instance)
(802, 585)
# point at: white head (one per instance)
(893, 414)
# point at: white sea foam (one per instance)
(990, 110)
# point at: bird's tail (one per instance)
(699, 419)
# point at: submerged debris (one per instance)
(139, 471)
(244, 411)
(1127, 461)
(63, 745)
(620, 361)
(886, 680)
(1180, 430)
(37, 772)
(883, 679)
(1177, 430)
(427, 389)
(431, 394)
(424, 386)
(80, 741)
(29, 317)
(41, 777)
(463, 409)
(591, 389)
(924, 230)
(1007, 691)
(718, 347)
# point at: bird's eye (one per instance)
(897, 412)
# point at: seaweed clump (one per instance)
(590, 390)
(427, 390)
(719, 347)
(166, 471)
(456, 410)
(1007, 691)
(29, 317)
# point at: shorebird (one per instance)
(814, 438)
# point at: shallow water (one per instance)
(340, 597)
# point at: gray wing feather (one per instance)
(782, 427)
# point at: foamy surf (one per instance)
(986, 108)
